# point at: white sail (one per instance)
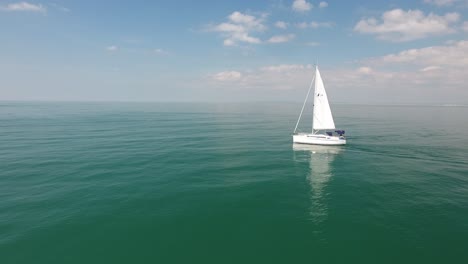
(323, 118)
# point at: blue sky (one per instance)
(368, 51)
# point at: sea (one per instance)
(103, 182)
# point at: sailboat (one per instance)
(323, 126)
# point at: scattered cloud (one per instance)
(247, 20)
(160, 52)
(440, 2)
(398, 25)
(281, 24)
(229, 42)
(112, 48)
(465, 26)
(302, 25)
(24, 7)
(281, 38)
(146, 51)
(59, 7)
(430, 68)
(435, 67)
(273, 77)
(454, 54)
(364, 70)
(313, 44)
(323, 4)
(301, 6)
(430, 73)
(227, 76)
(285, 68)
(320, 24)
(239, 28)
(314, 25)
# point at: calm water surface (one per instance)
(222, 183)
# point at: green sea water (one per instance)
(222, 183)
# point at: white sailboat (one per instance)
(323, 126)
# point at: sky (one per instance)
(369, 52)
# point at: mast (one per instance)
(303, 105)
(315, 91)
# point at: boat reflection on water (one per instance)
(320, 164)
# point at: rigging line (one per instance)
(302, 110)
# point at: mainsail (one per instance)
(323, 118)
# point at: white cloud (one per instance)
(364, 70)
(112, 48)
(430, 68)
(452, 55)
(281, 24)
(313, 44)
(273, 77)
(59, 7)
(440, 2)
(285, 68)
(301, 6)
(432, 74)
(24, 6)
(229, 42)
(433, 69)
(227, 76)
(228, 27)
(465, 26)
(247, 20)
(248, 39)
(314, 25)
(302, 25)
(398, 25)
(281, 38)
(160, 52)
(239, 29)
(320, 24)
(323, 4)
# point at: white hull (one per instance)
(318, 139)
